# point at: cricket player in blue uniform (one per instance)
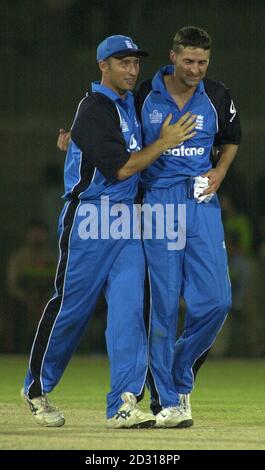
(184, 175)
(102, 169)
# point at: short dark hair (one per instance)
(191, 36)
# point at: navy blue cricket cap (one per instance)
(118, 46)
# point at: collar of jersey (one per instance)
(158, 83)
(98, 88)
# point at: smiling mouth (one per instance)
(130, 82)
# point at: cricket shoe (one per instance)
(43, 412)
(130, 416)
(184, 404)
(173, 417)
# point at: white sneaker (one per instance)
(172, 417)
(43, 412)
(184, 404)
(130, 416)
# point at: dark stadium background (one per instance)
(47, 57)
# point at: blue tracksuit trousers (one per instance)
(85, 267)
(198, 271)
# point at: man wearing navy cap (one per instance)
(102, 168)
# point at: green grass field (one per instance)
(228, 410)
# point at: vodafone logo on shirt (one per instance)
(183, 151)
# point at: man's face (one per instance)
(120, 74)
(190, 64)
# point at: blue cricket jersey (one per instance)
(192, 157)
(104, 133)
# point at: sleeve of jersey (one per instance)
(229, 122)
(96, 131)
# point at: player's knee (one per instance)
(223, 306)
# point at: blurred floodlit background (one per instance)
(47, 57)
